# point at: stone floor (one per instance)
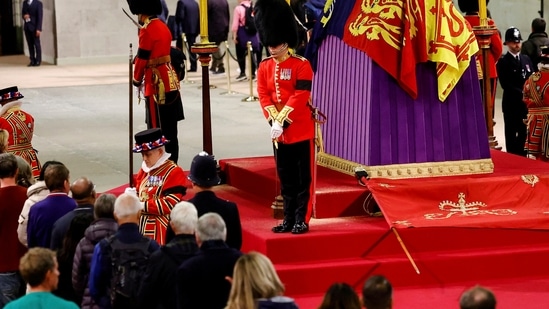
(81, 117)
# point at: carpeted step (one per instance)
(435, 269)
(337, 194)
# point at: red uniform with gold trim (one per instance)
(160, 189)
(536, 97)
(164, 107)
(153, 59)
(20, 126)
(284, 90)
(496, 45)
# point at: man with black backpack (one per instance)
(159, 283)
(243, 30)
(119, 262)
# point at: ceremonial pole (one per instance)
(130, 91)
(484, 32)
(204, 50)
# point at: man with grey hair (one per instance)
(108, 252)
(103, 226)
(159, 282)
(477, 297)
(201, 279)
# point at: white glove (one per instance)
(139, 91)
(276, 130)
(131, 191)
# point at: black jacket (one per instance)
(532, 47)
(218, 20)
(201, 280)
(512, 75)
(187, 17)
(36, 13)
(207, 201)
(158, 289)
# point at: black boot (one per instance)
(300, 228)
(284, 227)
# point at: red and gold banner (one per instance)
(392, 33)
(399, 34)
(509, 201)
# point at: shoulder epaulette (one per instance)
(299, 57)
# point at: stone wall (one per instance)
(83, 31)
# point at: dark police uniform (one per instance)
(513, 73)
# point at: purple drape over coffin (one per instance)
(372, 121)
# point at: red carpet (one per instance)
(346, 246)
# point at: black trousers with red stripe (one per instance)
(294, 167)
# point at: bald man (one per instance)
(83, 192)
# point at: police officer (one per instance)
(514, 69)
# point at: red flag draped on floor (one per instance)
(515, 196)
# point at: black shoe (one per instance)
(220, 70)
(241, 77)
(284, 227)
(300, 228)
(37, 64)
(31, 64)
(213, 70)
(192, 70)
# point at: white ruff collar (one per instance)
(9, 105)
(544, 66)
(160, 161)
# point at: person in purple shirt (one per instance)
(43, 214)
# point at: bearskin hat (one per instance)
(469, 6)
(145, 7)
(275, 23)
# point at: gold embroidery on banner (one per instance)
(327, 12)
(382, 19)
(530, 179)
(463, 209)
(402, 222)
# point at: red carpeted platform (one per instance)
(345, 245)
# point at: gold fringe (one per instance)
(410, 170)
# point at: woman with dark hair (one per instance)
(35, 193)
(340, 296)
(65, 256)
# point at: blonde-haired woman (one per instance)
(255, 285)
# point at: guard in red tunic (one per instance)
(536, 97)
(284, 85)
(154, 71)
(160, 184)
(470, 7)
(20, 126)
